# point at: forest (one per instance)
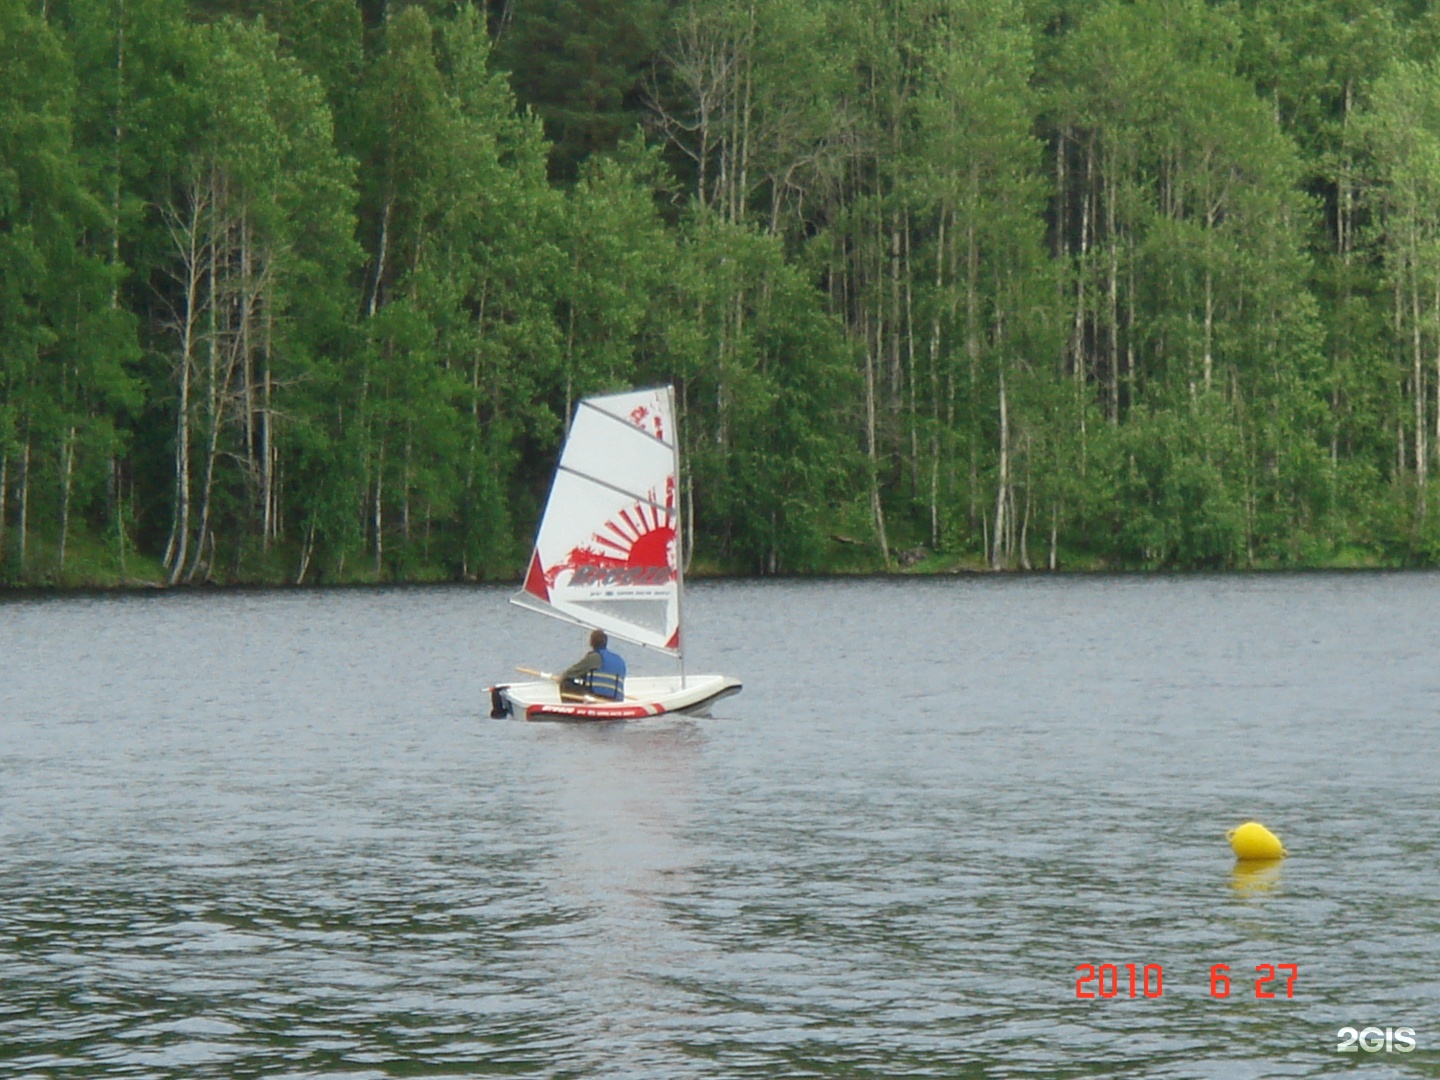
(304, 291)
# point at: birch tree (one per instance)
(1402, 130)
(65, 348)
(259, 225)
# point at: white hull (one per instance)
(644, 696)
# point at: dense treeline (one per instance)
(304, 289)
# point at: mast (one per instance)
(679, 536)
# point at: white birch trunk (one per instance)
(24, 537)
(185, 234)
(4, 492)
(1002, 488)
(67, 473)
(877, 510)
(378, 520)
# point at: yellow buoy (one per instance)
(1253, 841)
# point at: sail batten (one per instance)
(635, 495)
(608, 544)
(590, 403)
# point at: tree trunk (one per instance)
(1435, 325)
(913, 419)
(405, 495)
(1024, 546)
(245, 345)
(23, 540)
(382, 248)
(1398, 321)
(1002, 487)
(378, 521)
(119, 474)
(935, 388)
(67, 474)
(186, 235)
(1054, 559)
(742, 170)
(1211, 209)
(1112, 291)
(1422, 459)
(306, 550)
(269, 525)
(118, 134)
(4, 493)
(214, 390)
(204, 533)
(1077, 329)
(877, 510)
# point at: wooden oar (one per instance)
(556, 678)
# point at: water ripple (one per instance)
(248, 834)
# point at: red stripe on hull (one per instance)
(592, 712)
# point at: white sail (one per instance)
(607, 552)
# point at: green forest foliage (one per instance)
(305, 290)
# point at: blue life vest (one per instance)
(609, 681)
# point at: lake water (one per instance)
(277, 833)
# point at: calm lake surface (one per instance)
(277, 833)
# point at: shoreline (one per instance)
(136, 586)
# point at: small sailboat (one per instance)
(608, 557)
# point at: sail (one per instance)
(606, 555)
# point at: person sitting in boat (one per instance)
(599, 673)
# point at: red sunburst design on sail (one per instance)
(642, 536)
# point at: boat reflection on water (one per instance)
(619, 861)
(1251, 876)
